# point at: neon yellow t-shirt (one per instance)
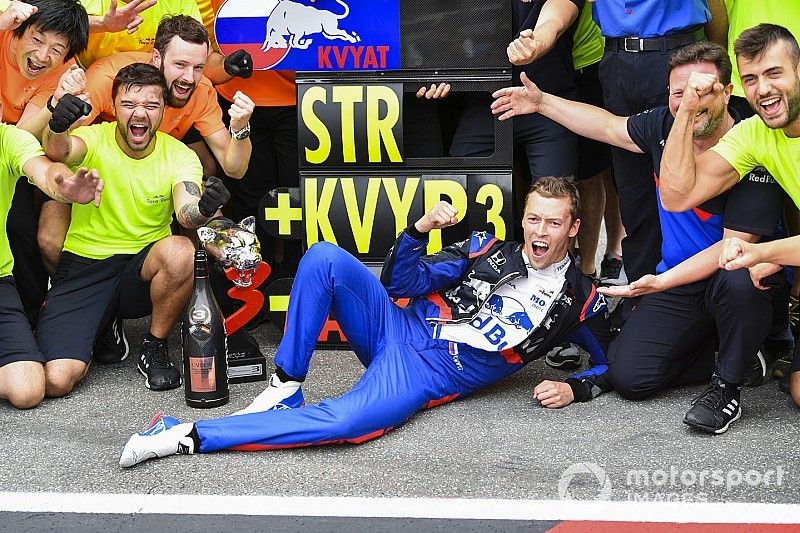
(744, 14)
(588, 42)
(142, 40)
(750, 143)
(17, 147)
(137, 201)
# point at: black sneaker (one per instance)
(112, 345)
(566, 356)
(612, 271)
(756, 374)
(154, 365)
(577, 258)
(715, 409)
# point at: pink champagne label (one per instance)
(203, 374)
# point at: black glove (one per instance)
(239, 63)
(215, 196)
(68, 110)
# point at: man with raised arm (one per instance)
(670, 337)
(38, 40)
(481, 310)
(22, 375)
(121, 259)
(768, 57)
(180, 52)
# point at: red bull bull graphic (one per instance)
(312, 34)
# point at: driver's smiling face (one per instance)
(547, 226)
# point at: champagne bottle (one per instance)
(205, 365)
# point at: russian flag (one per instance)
(243, 24)
(350, 34)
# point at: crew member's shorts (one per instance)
(85, 295)
(16, 340)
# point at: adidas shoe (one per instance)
(155, 366)
(566, 356)
(164, 435)
(277, 395)
(756, 374)
(612, 271)
(112, 345)
(716, 408)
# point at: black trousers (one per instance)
(29, 272)
(671, 337)
(633, 82)
(548, 148)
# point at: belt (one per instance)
(652, 44)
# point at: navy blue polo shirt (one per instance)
(648, 18)
(754, 205)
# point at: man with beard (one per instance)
(481, 310)
(180, 52)
(121, 259)
(768, 57)
(671, 336)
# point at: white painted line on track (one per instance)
(442, 508)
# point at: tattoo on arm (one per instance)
(191, 216)
(192, 188)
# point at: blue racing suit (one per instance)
(406, 368)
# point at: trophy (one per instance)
(236, 249)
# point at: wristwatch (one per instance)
(242, 134)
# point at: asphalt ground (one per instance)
(158, 523)
(494, 447)
(496, 444)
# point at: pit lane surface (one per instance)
(496, 445)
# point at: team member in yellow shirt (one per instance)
(106, 43)
(769, 64)
(38, 40)
(121, 259)
(22, 379)
(768, 58)
(181, 52)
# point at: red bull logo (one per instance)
(293, 25)
(312, 34)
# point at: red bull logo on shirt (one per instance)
(312, 34)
